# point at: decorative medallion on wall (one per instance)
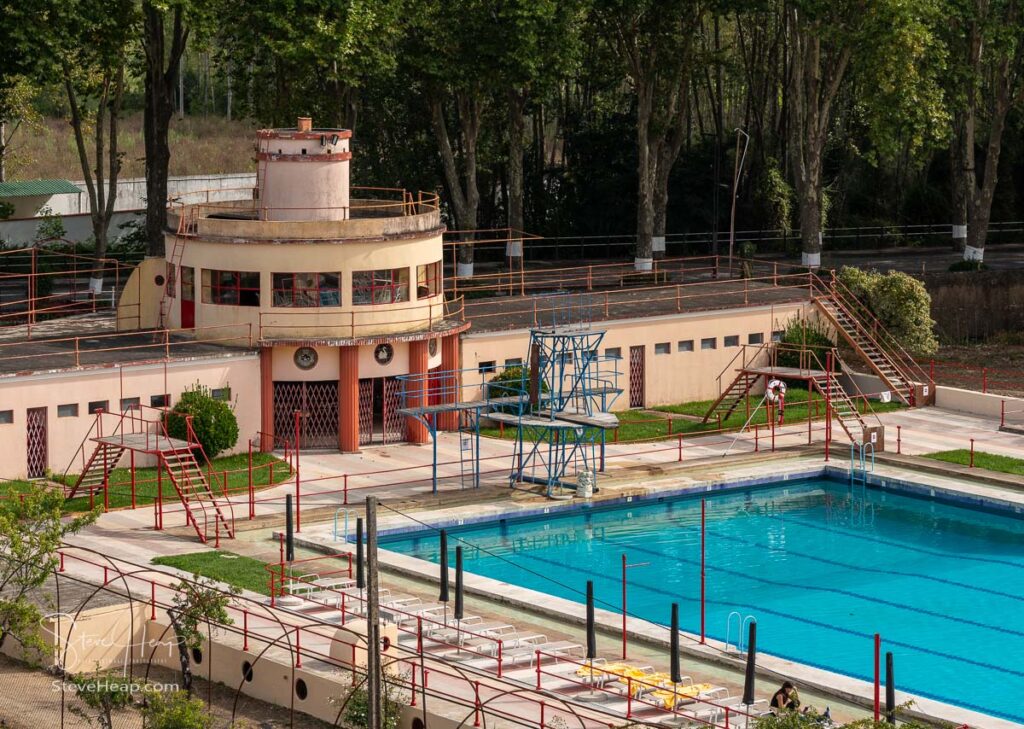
(384, 353)
(306, 358)
(432, 347)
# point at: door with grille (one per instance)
(318, 403)
(365, 412)
(36, 446)
(636, 376)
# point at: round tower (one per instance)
(303, 173)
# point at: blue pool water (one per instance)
(821, 566)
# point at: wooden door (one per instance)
(636, 376)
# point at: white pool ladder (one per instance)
(859, 453)
(741, 627)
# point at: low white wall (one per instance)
(978, 403)
(131, 200)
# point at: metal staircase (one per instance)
(844, 409)
(97, 470)
(866, 335)
(201, 506)
(176, 458)
(733, 395)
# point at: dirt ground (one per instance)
(30, 699)
(1005, 363)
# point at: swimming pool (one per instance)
(822, 567)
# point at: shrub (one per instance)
(213, 421)
(900, 302)
(801, 333)
(176, 710)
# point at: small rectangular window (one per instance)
(130, 403)
(6, 417)
(159, 401)
(96, 405)
(777, 335)
(221, 393)
(428, 280)
(70, 410)
(684, 345)
(613, 353)
(485, 367)
(709, 343)
(514, 362)
(732, 340)
(755, 338)
(663, 348)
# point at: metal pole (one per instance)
(623, 606)
(298, 506)
(737, 167)
(878, 650)
(373, 662)
(703, 517)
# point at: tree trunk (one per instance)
(960, 163)
(514, 247)
(465, 202)
(644, 258)
(161, 74)
(3, 151)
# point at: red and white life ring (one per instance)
(776, 390)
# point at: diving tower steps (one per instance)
(176, 459)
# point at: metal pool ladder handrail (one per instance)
(859, 462)
(347, 512)
(741, 624)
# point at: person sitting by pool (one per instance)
(785, 698)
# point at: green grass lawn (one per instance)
(146, 483)
(234, 569)
(990, 461)
(638, 426)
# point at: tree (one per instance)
(197, 603)
(103, 694)
(16, 112)
(901, 303)
(653, 39)
(91, 46)
(32, 529)
(213, 421)
(986, 44)
(883, 43)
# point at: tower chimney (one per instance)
(305, 124)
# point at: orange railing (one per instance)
(435, 314)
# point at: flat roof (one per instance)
(33, 188)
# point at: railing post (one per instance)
(899, 441)
(298, 482)
(245, 630)
(537, 656)
(972, 453)
(152, 600)
(345, 488)
(984, 380)
(252, 487)
(476, 703)
(298, 646)
(1002, 413)
(680, 458)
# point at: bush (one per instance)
(801, 333)
(213, 421)
(900, 302)
(176, 710)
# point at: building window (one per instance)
(663, 348)
(384, 286)
(160, 401)
(96, 405)
(130, 403)
(6, 417)
(755, 338)
(221, 393)
(309, 290)
(709, 343)
(485, 367)
(733, 340)
(428, 280)
(514, 362)
(684, 345)
(777, 335)
(188, 283)
(613, 353)
(235, 288)
(69, 410)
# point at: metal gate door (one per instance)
(35, 426)
(636, 376)
(365, 412)
(318, 402)
(394, 422)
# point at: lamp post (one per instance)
(737, 171)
